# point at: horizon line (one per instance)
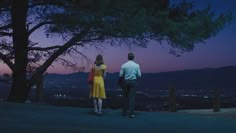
(153, 72)
(143, 71)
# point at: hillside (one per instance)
(200, 78)
(223, 78)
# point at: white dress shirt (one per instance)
(130, 70)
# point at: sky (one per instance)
(218, 51)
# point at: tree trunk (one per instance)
(20, 89)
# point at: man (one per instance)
(130, 72)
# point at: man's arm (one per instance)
(139, 74)
(121, 72)
(120, 81)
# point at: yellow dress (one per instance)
(98, 88)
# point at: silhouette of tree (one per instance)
(91, 22)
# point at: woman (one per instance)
(97, 91)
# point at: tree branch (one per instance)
(67, 63)
(45, 48)
(38, 26)
(5, 27)
(76, 40)
(40, 70)
(61, 50)
(42, 3)
(2, 34)
(7, 61)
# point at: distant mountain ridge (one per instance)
(200, 79)
(223, 77)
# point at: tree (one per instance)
(90, 22)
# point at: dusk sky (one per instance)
(218, 51)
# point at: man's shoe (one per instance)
(132, 115)
(92, 113)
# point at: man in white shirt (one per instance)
(130, 72)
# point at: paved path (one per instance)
(32, 118)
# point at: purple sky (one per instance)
(218, 51)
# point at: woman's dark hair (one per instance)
(99, 60)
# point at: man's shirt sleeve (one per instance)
(139, 72)
(122, 71)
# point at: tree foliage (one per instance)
(88, 22)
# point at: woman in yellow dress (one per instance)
(97, 91)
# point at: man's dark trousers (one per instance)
(129, 91)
